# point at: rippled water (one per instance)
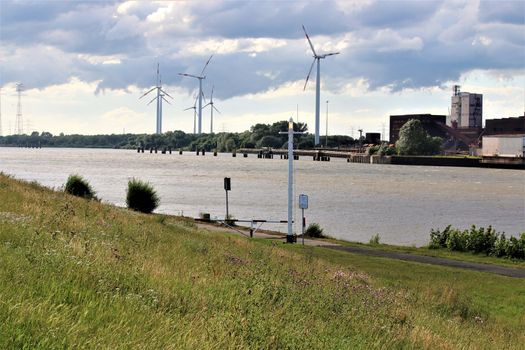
(350, 201)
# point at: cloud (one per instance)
(258, 46)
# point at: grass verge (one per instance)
(77, 273)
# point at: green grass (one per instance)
(81, 274)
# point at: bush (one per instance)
(314, 230)
(375, 239)
(481, 240)
(141, 196)
(438, 239)
(78, 186)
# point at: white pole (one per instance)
(289, 236)
(326, 131)
(158, 101)
(317, 101)
(211, 122)
(160, 115)
(200, 107)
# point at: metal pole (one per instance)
(289, 236)
(227, 214)
(326, 140)
(317, 102)
(200, 107)
(302, 224)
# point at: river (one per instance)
(350, 201)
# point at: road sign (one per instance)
(303, 201)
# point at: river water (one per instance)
(350, 201)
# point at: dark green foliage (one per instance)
(78, 186)
(314, 230)
(375, 239)
(478, 240)
(141, 196)
(382, 150)
(414, 140)
(222, 142)
(386, 150)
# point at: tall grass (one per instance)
(80, 187)
(80, 274)
(141, 196)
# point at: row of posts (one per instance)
(262, 155)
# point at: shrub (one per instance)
(375, 239)
(141, 196)
(438, 239)
(373, 150)
(78, 186)
(481, 240)
(314, 230)
(456, 240)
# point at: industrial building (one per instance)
(433, 124)
(505, 126)
(466, 109)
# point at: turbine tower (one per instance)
(200, 78)
(212, 107)
(19, 123)
(317, 82)
(194, 107)
(159, 98)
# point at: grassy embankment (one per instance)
(75, 273)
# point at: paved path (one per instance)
(425, 259)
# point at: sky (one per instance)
(84, 64)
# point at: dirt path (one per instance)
(496, 269)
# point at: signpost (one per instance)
(303, 204)
(227, 187)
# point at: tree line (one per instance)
(259, 135)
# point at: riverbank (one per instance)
(78, 273)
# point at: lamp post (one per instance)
(326, 140)
(290, 132)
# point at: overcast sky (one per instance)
(84, 64)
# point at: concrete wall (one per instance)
(503, 146)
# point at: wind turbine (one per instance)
(200, 78)
(212, 107)
(194, 115)
(317, 82)
(160, 96)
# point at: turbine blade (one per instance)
(207, 104)
(309, 41)
(309, 72)
(216, 109)
(331, 54)
(211, 96)
(147, 92)
(188, 108)
(165, 100)
(165, 93)
(206, 65)
(189, 75)
(154, 98)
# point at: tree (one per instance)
(414, 140)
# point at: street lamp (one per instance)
(326, 140)
(290, 132)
